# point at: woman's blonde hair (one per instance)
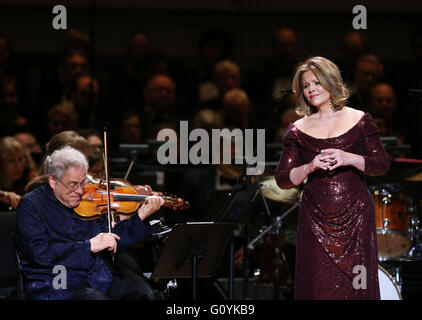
(58, 141)
(66, 138)
(224, 66)
(328, 74)
(9, 146)
(66, 110)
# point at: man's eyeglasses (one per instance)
(73, 186)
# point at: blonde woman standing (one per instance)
(332, 147)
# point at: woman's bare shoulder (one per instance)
(301, 123)
(354, 114)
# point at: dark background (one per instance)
(175, 27)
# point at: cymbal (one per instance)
(232, 171)
(272, 191)
(415, 177)
(408, 160)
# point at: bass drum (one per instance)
(271, 272)
(388, 288)
(394, 212)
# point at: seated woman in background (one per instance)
(16, 170)
(59, 140)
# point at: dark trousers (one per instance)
(126, 286)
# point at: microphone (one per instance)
(279, 96)
(416, 93)
(286, 91)
(282, 93)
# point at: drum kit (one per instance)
(398, 216)
(399, 232)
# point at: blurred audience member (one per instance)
(237, 109)
(10, 68)
(382, 126)
(15, 170)
(226, 77)
(77, 40)
(74, 65)
(276, 77)
(59, 140)
(6, 64)
(354, 44)
(9, 200)
(288, 116)
(94, 139)
(57, 87)
(11, 117)
(390, 119)
(128, 81)
(156, 62)
(207, 119)
(383, 104)
(160, 105)
(96, 165)
(68, 138)
(214, 45)
(286, 55)
(411, 75)
(278, 73)
(128, 130)
(32, 147)
(409, 92)
(61, 117)
(369, 72)
(86, 101)
(283, 109)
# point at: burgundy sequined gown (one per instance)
(336, 223)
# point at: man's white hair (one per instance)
(60, 160)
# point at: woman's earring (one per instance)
(331, 106)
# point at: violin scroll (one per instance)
(176, 203)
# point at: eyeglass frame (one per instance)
(73, 189)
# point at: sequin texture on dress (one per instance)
(336, 223)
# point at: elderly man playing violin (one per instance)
(63, 256)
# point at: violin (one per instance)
(114, 182)
(123, 200)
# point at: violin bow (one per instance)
(110, 216)
(129, 169)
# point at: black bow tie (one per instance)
(230, 181)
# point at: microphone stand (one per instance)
(279, 253)
(245, 267)
(245, 261)
(277, 105)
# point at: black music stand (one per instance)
(237, 205)
(235, 211)
(193, 250)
